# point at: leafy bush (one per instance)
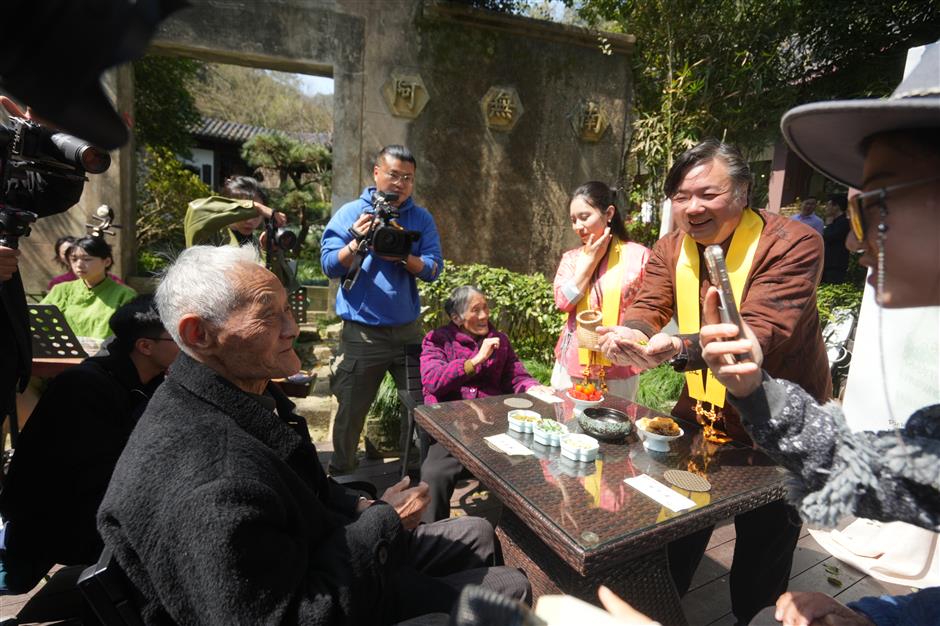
(521, 305)
(164, 188)
(539, 370)
(832, 297)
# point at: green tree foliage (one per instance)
(167, 189)
(164, 109)
(304, 173)
(729, 68)
(261, 98)
(521, 305)
(164, 188)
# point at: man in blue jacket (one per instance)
(380, 310)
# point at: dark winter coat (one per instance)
(220, 513)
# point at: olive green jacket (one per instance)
(207, 218)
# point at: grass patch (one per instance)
(539, 370)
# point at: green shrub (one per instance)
(539, 370)
(521, 305)
(832, 297)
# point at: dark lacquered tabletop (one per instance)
(584, 509)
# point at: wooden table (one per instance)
(52, 367)
(572, 526)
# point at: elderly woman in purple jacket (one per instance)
(466, 359)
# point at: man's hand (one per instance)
(628, 346)
(361, 225)
(409, 503)
(740, 378)
(8, 263)
(803, 608)
(487, 348)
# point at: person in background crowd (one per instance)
(219, 510)
(774, 266)
(807, 215)
(603, 274)
(467, 358)
(889, 149)
(62, 246)
(380, 311)
(68, 449)
(232, 219)
(87, 304)
(837, 229)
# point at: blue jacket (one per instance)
(385, 294)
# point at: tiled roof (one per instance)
(212, 128)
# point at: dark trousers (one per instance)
(763, 556)
(445, 557)
(440, 471)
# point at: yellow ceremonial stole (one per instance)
(611, 287)
(739, 260)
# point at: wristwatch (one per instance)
(680, 361)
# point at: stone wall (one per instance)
(497, 188)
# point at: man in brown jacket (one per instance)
(775, 265)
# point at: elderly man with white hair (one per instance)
(219, 510)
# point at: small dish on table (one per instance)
(605, 423)
(651, 432)
(548, 432)
(578, 447)
(522, 420)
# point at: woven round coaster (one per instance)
(687, 480)
(517, 403)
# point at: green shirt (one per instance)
(87, 311)
(206, 220)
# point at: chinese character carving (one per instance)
(405, 95)
(589, 121)
(501, 108)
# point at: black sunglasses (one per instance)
(877, 196)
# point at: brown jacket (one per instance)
(779, 304)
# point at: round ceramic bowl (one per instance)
(549, 432)
(605, 423)
(578, 447)
(580, 405)
(653, 441)
(522, 420)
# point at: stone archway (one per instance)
(506, 115)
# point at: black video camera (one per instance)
(385, 236)
(26, 145)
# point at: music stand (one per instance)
(52, 336)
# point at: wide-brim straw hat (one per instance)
(830, 135)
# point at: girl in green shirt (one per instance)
(89, 302)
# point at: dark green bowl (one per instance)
(605, 423)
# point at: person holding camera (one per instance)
(231, 219)
(379, 304)
(43, 196)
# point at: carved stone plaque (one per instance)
(502, 108)
(589, 121)
(405, 95)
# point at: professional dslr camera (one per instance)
(385, 236)
(28, 146)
